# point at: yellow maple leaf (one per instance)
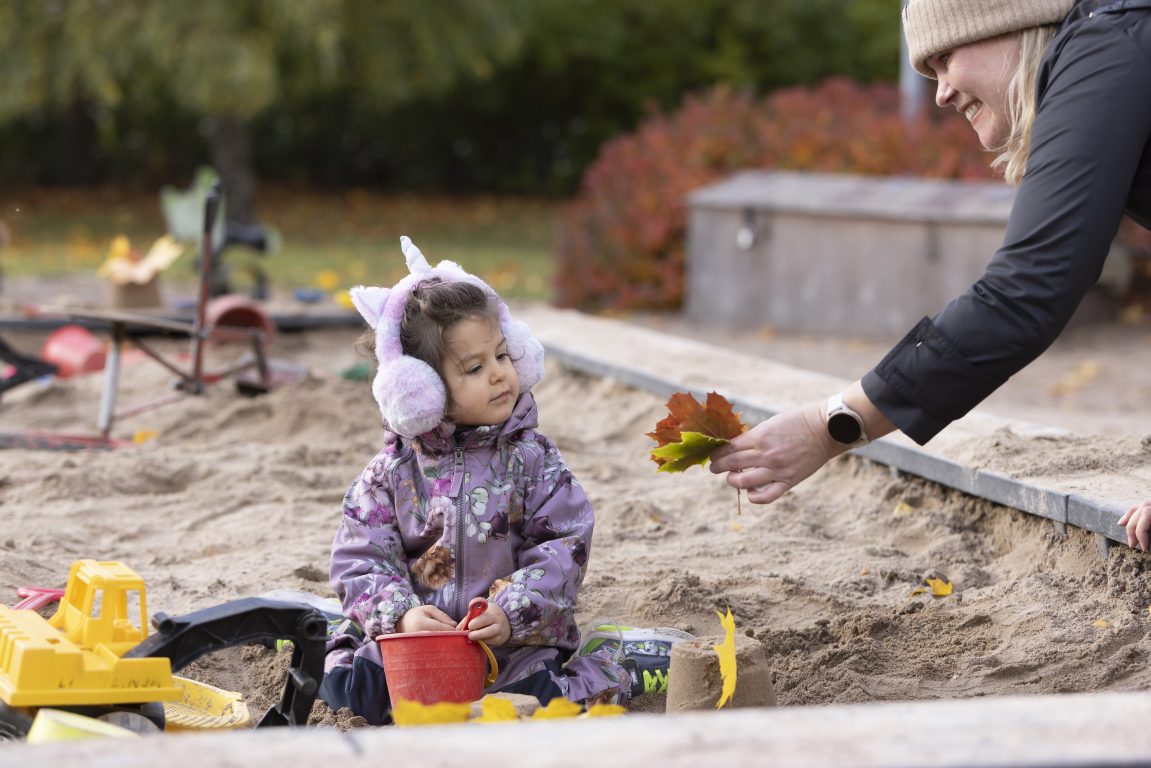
(606, 710)
(496, 710)
(939, 587)
(726, 654)
(407, 712)
(557, 709)
(692, 449)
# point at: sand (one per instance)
(234, 496)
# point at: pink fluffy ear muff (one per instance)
(411, 394)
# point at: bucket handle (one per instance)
(477, 606)
(493, 665)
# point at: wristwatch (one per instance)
(844, 425)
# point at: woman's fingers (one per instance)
(1137, 521)
(768, 493)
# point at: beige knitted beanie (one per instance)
(936, 26)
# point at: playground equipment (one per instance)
(95, 656)
(181, 209)
(23, 368)
(227, 319)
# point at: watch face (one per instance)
(843, 428)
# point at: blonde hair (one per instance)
(1021, 96)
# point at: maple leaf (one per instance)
(939, 587)
(409, 712)
(557, 709)
(726, 653)
(495, 710)
(693, 448)
(692, 430)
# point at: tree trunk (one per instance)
(232, 158)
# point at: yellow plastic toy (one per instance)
(74, 658)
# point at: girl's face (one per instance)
(973, 78)
(482, 382)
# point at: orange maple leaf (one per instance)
(687, 420)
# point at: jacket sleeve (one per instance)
(369, 570)
(1090, 131)
(540, 597)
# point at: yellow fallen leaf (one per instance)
(606, 710)
(558, 708)
(407, 712)
(902, 509)
(496, 710)
(1101, 623)
(939, 587)
(726, 653)
(919, 591)
(144, 435)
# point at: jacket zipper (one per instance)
(457, 486)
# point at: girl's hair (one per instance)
(435, 306)
(1021, 102)
(432, 308)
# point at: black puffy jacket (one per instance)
(1090, 163)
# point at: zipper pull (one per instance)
(457, 473)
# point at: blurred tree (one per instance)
(228, 61)
(492, 95)
(590, 70)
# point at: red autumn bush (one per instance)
(622, 245)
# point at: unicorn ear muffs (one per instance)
(411, 394)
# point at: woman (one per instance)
(1061, 91)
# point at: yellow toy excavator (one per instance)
(95, 654)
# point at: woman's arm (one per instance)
(1090, 132)
(777, 454)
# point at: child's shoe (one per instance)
(644, 653)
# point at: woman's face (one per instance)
(973, 78)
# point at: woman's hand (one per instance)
(491, 626)
(774, 456)
(425, 618)
(1137, 520)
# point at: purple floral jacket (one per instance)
(456, 514)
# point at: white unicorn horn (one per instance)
(415, 259)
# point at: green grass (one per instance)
(353, 237)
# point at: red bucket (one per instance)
(435, 667)
(73, 349)
(237, 312)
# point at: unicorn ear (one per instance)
(417, 264)
(369, 300)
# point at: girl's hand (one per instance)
(774, 456)
(1137, 520)
(425, 618)
(491, 626)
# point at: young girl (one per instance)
(468, 500)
